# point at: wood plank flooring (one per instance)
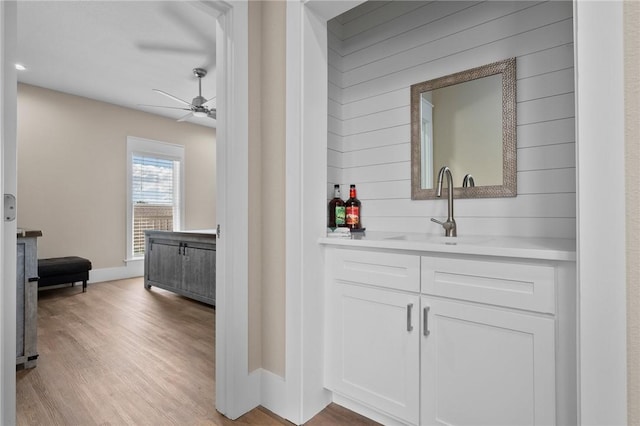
(121, 355)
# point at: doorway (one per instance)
(231, 51)
(51, 171)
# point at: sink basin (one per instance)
(439, 239)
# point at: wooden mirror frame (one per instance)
(507, 69)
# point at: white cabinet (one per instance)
(376, 348)
(486, 366)
(427, 338)
(488, 342)
(373, 353)
(518, 285)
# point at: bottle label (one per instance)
(341, 215)
(353, 215)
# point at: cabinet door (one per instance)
(374, 348)
(200, 270)
(486, 366)
(165, 263)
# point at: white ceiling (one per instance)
(118, 51)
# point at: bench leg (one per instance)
(84, 286)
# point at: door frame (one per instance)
(8, 182)
(306, 189)
(236, 391)
(601, 250)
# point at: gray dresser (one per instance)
(182, 262)
(27, 298)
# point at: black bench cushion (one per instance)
(62, 266)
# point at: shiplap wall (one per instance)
(377, 50)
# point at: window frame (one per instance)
(152, 148)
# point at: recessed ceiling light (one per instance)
(20, 67)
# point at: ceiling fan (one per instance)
(197, 106)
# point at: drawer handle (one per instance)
(182, 249)
(425, 321)
(409, 309)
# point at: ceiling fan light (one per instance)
(200, 114)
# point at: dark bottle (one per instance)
(353, 209)
(336, 209)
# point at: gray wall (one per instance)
(379, 49)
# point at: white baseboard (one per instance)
(273, 391)
(366, 411)
(131, 270)
(250, 389)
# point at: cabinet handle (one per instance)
(425, 321)
(409, 309)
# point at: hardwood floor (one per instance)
(121, 355)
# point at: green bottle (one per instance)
(337, 212)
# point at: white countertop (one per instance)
(206, 232)
(519, 247)
(200, 231)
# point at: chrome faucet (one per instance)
(468, 181)
(450, 229)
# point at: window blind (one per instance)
(153, 180)
(154, 195)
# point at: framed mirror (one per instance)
(466, 121)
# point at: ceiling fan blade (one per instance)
(180, 16)
(168, 48)
(162, 106)
(172, 97)
(212, 114)
(208, 100)
(185, 117)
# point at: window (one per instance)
(154, 190)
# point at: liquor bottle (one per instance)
(336, 209)
(353, 209)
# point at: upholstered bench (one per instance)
(63, 270)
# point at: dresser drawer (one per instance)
(389, 270)
(515, 285)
